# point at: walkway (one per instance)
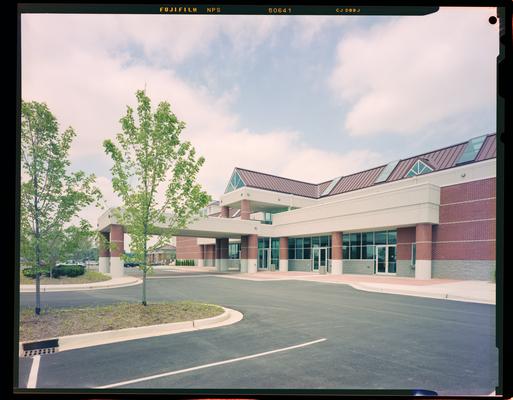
(472, 291)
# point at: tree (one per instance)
(150, 158)
(51, 195)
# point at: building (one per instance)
(162, 255)
(427, 216)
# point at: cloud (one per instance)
(77, 65)
(407, 75)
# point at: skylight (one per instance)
(331, 186)
(235, 183)
(383, 176)
(419, 168)
(471, 150)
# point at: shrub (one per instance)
(70, 270)
(31, 272)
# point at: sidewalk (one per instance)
(470, 291)
(112, 283)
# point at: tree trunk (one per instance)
(144, 288)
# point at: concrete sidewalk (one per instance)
(470, 291)
(111, 283)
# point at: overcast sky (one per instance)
(309, 98)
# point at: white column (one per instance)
(423, 269)
(104, 265)
(117, 269)
(284, 265)
(223, 265)
(336, 267)
(252, 265)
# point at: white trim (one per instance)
(462, 241)
(181, 371)
(466, 222)
(467, 201)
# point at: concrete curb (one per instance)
(443, 296)
(71, 342)
(80, 286)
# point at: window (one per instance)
(299, 249)
(292, 248)
(413, 253)
(380, 237)
(275, 252)
(391, 237)
(419, 168)
(306, 248)
(235, 182)
(233, 250)
(471, 150)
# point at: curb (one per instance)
(72, 342)
(80, 286)
(443, 296)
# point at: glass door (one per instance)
(381, 259)
(263, 258)
(319, 258)
(385, 260)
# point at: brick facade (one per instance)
(187, 248)
(466, 229)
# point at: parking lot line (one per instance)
(181, 371)
(32, 379)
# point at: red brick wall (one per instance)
(467, 222)
(187, 248)
(210, 251)
(405, 237)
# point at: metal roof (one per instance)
(439, 160)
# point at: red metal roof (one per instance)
(438, 160)
(275, 183)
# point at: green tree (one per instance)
(149, 158)
(51, 195)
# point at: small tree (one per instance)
(150, 156)
(50, 194)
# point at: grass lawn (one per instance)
(88, 277)
(52, 323)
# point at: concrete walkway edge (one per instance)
(444, 296)
(110, 284)
(71, 342)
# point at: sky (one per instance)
(304, 97)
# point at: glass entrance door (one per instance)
(263, 258)
(385, 260)
(319, 258)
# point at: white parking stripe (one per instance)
(147, 378)
(32, 379)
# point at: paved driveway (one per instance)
(373, 341)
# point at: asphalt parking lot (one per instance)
(371, 341)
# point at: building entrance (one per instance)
(385, 260)
(320, 259)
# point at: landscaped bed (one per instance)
(88, 277)
(52, 323)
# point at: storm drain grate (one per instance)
(39, 352)
(40, 348)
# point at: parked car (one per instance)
(130, 263)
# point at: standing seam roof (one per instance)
(439, 160)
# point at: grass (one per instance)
(88, 277)
(52, 323)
